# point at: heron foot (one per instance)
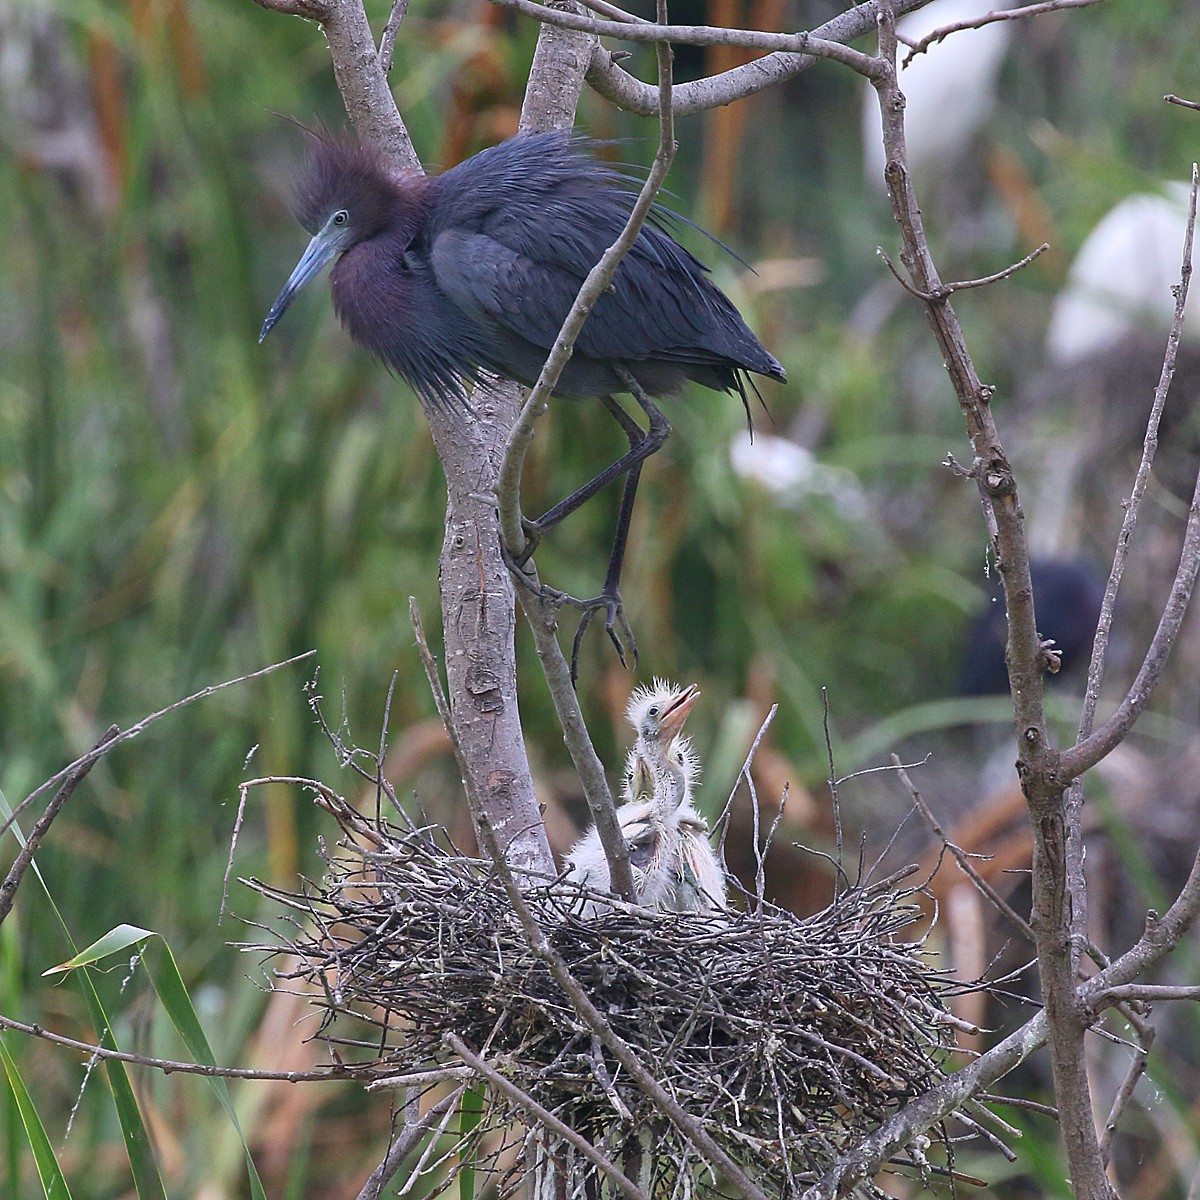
(534, 533)
(616, 625)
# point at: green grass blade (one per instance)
(177, 1004)
(470, 1113)
(168, 983)
(54, 1183)
(138, 1149)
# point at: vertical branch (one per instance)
(539, 609)
(1095, 673)
(1038, 762)
(478, 605)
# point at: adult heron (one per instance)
(443, 278)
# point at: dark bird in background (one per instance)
(475, 270)
(1067, 595)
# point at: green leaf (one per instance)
(470, 1113)
(114, 941)
(146, 1179)
(54, 1183)
(168, 983)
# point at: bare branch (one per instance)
(1010, 14)
(1172, 99)
(865, 1160)
(1091, 747)
(619, 87)
(539, 608)
(21, 864)
(697, 35)
(387, 43)
(406, 1143)
(338, 1071)
(103, 747)
(962, 858)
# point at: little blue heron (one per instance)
(473, 270)
(674, 866)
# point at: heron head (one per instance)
(345, 196)
(657, 712)
(661, 764)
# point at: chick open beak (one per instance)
(671, 722)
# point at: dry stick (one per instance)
(1124, 1094)
(695, 35)
(1108, 987)
(539, 610)
(1038, 762)
(935, 1105)
(722, 821)
(360, 80)
(961, 857)
(405, 1144)
(1144, 1030)
(387, 43)
(12, 881)
(103, 747)
(1170, 98)
(543, 1116)
(1011, 14)
(1076, 881)
(336, 1071)
(617, 1046)
(609, 80)
(948, 289)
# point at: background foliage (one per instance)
(179, 505)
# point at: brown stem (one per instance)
(79, 772)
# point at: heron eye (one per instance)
(341, 217)
(652, 711)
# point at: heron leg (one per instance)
(610, 595)
(642, 443)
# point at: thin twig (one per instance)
(1170, 98)
(608, 79)
(927, 1110)
(21, 864)
(102, 748)
(543, 1116)
(1124, 1094)
(1091, 747)
(964, 284)
(962, 857)
(339, 1071)
(1011, 14)
(696, 35)
(538, 608)
(387, 43)
(618, 1047)
(411, 1134)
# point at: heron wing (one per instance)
(516, 230)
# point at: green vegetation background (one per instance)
(179, 505)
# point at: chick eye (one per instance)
(341, 217)
(652, 711)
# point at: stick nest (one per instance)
(788, 1038)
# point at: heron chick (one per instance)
(674, 866)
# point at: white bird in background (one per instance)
(1120, 281)
(674, 866)
(950, 89)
